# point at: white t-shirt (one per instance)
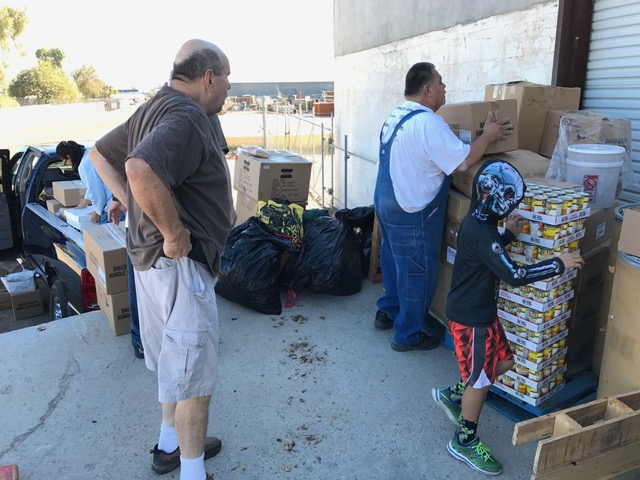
(424, 151)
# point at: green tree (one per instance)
(86, 77)
(53, 55)
(12, 24)
(47, 82)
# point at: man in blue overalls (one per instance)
(418, 153)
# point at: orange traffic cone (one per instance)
(9, 472)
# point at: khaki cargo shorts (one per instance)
(179, 327)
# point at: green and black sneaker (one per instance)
(476, 455)
(443, 397)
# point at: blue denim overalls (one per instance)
(409, 250)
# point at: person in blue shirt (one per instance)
(98, 194)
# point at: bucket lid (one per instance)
(596, 149)
(578, 163)
(630, 259)
(619, 210)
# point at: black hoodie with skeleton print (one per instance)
(481, 260)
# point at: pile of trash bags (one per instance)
(284, 249)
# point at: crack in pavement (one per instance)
(73, 368)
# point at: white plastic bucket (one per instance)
(597, 168)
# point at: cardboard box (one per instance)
(53, 205)
(599, 227)
(534, 101)
(529, 164)
(457, 204)
(69, 193)
(603, 318)
(438, 306)
(582, 126)
(5, 298)
(451, 228)
(282, 175)
(592, 274)
(20, 282)
(78, 218)
(467, 121)
(445, 275)
(246, 207)
(116, 309)
(106, 257)
(27, 305)
(630, 232)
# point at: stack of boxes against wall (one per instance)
(105, 253)
(283, 175)
(555, 330)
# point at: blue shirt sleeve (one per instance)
(97, 192)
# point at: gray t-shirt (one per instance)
(172, 133)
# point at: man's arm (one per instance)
(109, 175)
(492, 131)
(155, 200)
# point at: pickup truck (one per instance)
(47, 244)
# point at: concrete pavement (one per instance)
(315, 393)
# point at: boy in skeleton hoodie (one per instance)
(481, 347)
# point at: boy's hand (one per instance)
(572, 260)
(514, 223)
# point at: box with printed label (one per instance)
(69, 193)
(115, 308)
(467, 121)
(599, 227)
(26, 305)
(282, 175)
(106, 257)
(534, 101)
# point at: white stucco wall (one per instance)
(370, 83)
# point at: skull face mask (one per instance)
(499, 188)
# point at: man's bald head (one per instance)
(194, 58)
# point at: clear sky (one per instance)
(132, 43)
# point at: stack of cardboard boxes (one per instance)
(68, 194)
(283, 175)
(106, 255)
(544, 115)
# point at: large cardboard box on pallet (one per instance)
(529, 164)
(467, 121)
(69, 192)
(106, 256)
(534, 101)
(115, 308)
(282, 175)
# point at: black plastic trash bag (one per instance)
(250, 265)
(361, 219)
(329, 260)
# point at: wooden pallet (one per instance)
(375, 271)
(597, 440)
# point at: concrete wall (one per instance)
(364, 24)
(515, 45)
